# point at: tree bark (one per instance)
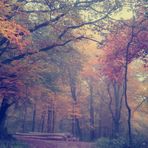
(3, 114)
(79, 132)
(50, 118)
(42, 122)
(126, 102)
(33, 118)
(53, 120)
(125, 88)
(49, 121)
(24, 119)
(91, 113)
(76, 129)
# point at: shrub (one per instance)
(110, 143)
(140, 141)
(121, 142)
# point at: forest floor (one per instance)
(36, 143)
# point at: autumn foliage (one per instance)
(133, 35)
(51, 83)
(10, 29)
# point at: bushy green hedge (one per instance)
(13, 144)
(138, 142)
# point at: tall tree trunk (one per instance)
(42, 122)
(126, 102)
(73, 124)
(116, 102)
(117, 111)
(91, 113)
(49, 120)
(125, 87)
(76, 129)
(73, 88)
(25, 110)
(3, 114)
(79, 132)
(116, 128)
(24, 118)
(100, 117)
(33, 118)
(53, 121)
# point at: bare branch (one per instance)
(54, 45)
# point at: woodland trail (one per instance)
(37, 143)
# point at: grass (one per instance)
(12, 144)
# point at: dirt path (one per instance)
(34, 143)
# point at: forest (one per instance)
(74, 67)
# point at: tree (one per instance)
(132, 38)
(72, 67)
(53, 26)
(61, 19)
(115, 105)
(11, 36)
